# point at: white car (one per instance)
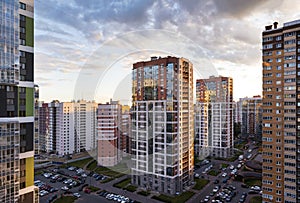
(216, 189)
(231, 167)
(43, 193)
(65, 188)
(76, 194)
(257, 188)
(224, 175)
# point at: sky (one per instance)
(84, 49)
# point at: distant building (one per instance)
(126, 137)
(43, 126)
(85, 125)
(36, 121)
(109, 120)
(214, 117)
(251, 116)
(163, 124)
(67, 127)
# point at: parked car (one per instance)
(244, 186)
(76, 194)
(216, 181)
(65, 188)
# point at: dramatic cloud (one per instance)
(70, 36)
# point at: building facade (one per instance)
(67, 127)
(281, 107)
(214, 117)
(43, 126)
(251, 116)
(36, 121)
(126, 131)
(109, 119)
(162, 124)
(17, 102)
(85, 125)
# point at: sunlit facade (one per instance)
(163, 124)
(280, 117)
(214, 117)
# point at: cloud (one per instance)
(69, 33)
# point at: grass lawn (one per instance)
(176, 199)
(252, 181)
(241, 145)
(115, 171)
(107, 180)
(93, 188)
(223, 165)
(92, 165)
(80, 163)
(256, 199)
(66, 199)
(144, 193)
(213, 172)
(200, 183)
(123, 183)
(131, 188)
(38, 173)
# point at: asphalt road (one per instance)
(200, 195)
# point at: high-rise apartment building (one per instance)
(125, 134)
(43, 126)
(163, 124)
(251, 116)
(214, 117)
(53, 125)
(281, 107)
(109, 121)
(67, 127)
(85, 125)
(17, 102)
(36, 121)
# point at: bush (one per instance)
(131, 188)
(176, 199)
(144, 193)
(123, 183)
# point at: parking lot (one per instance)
(223, 187)
(72, 181)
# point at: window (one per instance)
(289, 34)
(278, 52)
(292, 41)
(22, 6)
(22, 18)
(22, 54)
(22, 29)
(268, 46)
(22, 42)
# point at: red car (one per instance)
(87, 190)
